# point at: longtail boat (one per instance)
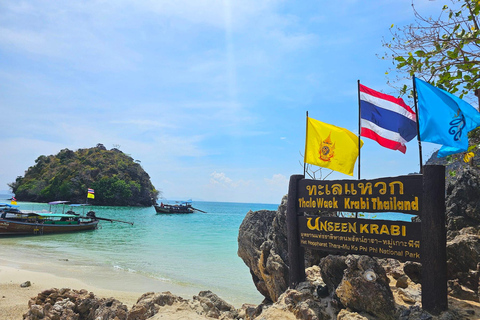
(18, 222)
(182, 207)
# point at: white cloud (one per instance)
(221, 178)
(278, 180)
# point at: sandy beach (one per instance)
(18, 266)
(14, 299)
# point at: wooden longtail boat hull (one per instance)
(12, 227)
(167, 210)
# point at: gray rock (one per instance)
(26, 284)
(458, 291)
(463, 255)
(462, 205)
(67, 304)
(247, 311)
(415, 313)
(348, 315)
(402, 282)
(410, 295)
(332, 268)
(149, 304)
(365, 287)
(262, 245)
(413, 270)
(392, 267)
(303, 304)
(215, 307)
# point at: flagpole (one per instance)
(359, 127)
(305, 152)
(418, 125)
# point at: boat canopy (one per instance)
(58, 202)
(53, 215)
(8, 205)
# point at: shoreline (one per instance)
(18, 265)
(95, 276)
(14, 299)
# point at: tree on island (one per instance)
(115, 177)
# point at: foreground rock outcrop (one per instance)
(463, 233)
(68, 304)
(262, 245)
(463, 224)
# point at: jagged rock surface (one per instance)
(365, 287)
(462, 205)
(331, 269)
(214, 307)
(262, 245)
(463, 232)
(67, 304)
(149, 304)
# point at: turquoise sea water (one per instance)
(196, 250)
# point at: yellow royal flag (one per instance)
(331, 147)
(91, 193)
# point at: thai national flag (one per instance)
(386, 119)
(90, 190)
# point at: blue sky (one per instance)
(209, 95)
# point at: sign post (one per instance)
(296, 256)
(434, 241)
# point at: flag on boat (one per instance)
(13, 201)
(386, 119)
(91, 194)
(444, 118)
(331, 147)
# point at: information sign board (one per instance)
(382, 238)
(391, 194)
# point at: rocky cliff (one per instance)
(341, 285)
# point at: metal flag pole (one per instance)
(418, 125)
(305, 152)
(359, 128)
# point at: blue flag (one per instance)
(444, 118)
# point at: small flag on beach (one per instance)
(91, 194)
(386, 119)
(444, 118)
(14, 201)
(330, 147)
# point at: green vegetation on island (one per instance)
(117, 179)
